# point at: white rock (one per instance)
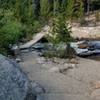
(18, 59)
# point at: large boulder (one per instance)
(14, 84)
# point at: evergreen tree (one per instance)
(18, 9)
(44, 8)
(70, 8)
(81, 9)
(30, 9)
(56, 7)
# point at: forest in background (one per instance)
(23, 18)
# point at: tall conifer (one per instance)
(44, 8)
(70, 8)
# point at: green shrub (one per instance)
(10, 33)
(60, 31)
(32, 28)
(59, 34)
(10, 30)
(36, 25)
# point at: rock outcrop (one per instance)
(14, 84)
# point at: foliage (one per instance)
(11, 32)
(56, 7)
(30, 8)
(79, 9)
(18, 9)
(32, 28)
(7, 4)
(60, 32)
(97, 15)
(37, 25)
(44, 8)
(10, 29)
(70, 8)
(23, 16)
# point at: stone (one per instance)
(18, 60)
(37, 88)
(97, 85)
(15, 49)
(73, 60)
(14, 84)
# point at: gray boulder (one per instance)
(14, 84)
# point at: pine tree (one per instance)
(70, 8)
(56, 7)
(30, 9)
(18, 9)
(44, 8)
(81, 9)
